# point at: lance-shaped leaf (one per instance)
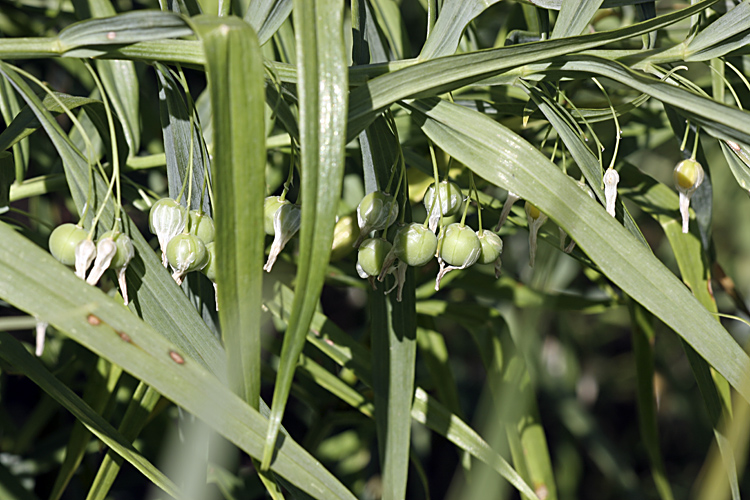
(321, 87)
(235, 79)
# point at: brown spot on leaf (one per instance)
(124, 336)
(93, 320)
(176, 357)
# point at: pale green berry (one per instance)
(688, 175)
(460, 245)
(125, 250)
(210, 268)
(345, 233)
(123, 255)
(492, 247)
(186, 253)
(270, 206)
(459, 248)
(371, 255)
(376, 211)
(202, 225)
(415, 244)
(450, 201)
(286, 223)
(63, 241)
(166, 220)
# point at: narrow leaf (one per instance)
(450, 25)
(235, 72)
(323, 101)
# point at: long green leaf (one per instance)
(506, 160)
(451, 23)
(267, 16)
(574, 17)
(323, 103)
(710, 42)
(235, 70)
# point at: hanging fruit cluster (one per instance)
(456, 245)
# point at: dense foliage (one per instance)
(373, 249)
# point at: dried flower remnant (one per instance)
(509, 201)
(166, 220)
(688, 176)
(106, 248)
(85, 254)
(611, 179)
(286, 223)
(536, 219)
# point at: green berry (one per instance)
(166, 220)
(63, 241)
(371, 255)
(125, 249)
(460, 245)
(492, 247)
(688, 174)
(186, 253)
(415, 244)
(451, 199)
(376, 211)
(210, 268)
(270, 206)
(202, 226)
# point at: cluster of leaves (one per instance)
(322, 100)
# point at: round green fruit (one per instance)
(202, 226)
(210, 268)
(270, 206)
(460, 245)
(371, 255)
(492, 247)
(63, 241)
(451, 199)
(415, 244)
(125, 249)
(186, 253)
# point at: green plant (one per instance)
(202, 117)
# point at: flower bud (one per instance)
(447, 201)
(611, 178)
(186, 253)
(63, 241)
(166, 220)
(376, 211)
(459, 248)
(536, 219)
(286, 223)
(688, 175)
(202, 226)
